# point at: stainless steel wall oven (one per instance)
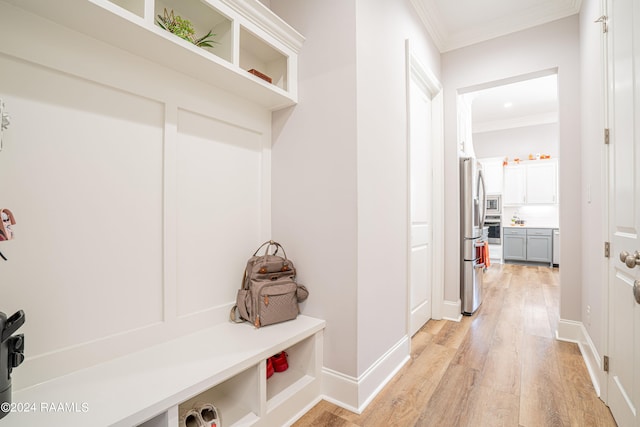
(494, 222)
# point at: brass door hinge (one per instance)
(605, 363)
(606, 136)
(607, 249)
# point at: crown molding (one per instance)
(445, 40)
(431, 18)
(264, 18)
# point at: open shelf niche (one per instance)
(204, 19)
(236, 399)
(258, 55)
(249, 398)
(282, 385)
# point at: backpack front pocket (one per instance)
(277, 302)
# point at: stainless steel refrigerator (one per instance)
(472, 215)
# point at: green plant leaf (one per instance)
(206, 40)
(183, 28)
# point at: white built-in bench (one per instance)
(224, 365)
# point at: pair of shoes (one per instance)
(279, 361)
(200, 415)
(270, 370)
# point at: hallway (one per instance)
(500, 367)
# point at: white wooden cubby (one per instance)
(224, 365)
(248, 35)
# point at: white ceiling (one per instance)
(524, 103)
(453, 24)
(457, 23)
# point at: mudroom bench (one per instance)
(224, 365)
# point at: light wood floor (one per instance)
(499, 367)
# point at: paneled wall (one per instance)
(138, 194)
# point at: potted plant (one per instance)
(183, 28)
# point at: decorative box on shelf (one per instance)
(261, 75)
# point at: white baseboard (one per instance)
(299, 415)
(452, 310)
(340, 389)
(354, 394)
(572, 331)
(569, 330)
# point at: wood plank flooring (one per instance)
(500, 367)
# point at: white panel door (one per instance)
(421, 209)
(624, 123)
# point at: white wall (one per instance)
(518, 142)
(314, 172)
(340, 181)
(551, 46)
(139, 193)
(383, 170)
(594, 181)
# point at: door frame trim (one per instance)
(605, 41)
(416, 70)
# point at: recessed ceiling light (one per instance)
(508, 104)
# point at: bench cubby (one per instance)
(223, 365)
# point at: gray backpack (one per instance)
(269, 293)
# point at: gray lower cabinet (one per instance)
(528, 244)
(514, 244)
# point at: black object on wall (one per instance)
(11, 354)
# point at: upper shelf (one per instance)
(247, 34)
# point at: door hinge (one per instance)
(606, 136)
(603, 19)
(607, 249)
(605, 363)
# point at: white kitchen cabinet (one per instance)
(531, 183)
(514, 185)
(492, 169)
(542, 182)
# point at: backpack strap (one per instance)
(234, 317)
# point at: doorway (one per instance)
(515, 135)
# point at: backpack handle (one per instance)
(270, 243)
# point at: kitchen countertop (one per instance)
(531, 226)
